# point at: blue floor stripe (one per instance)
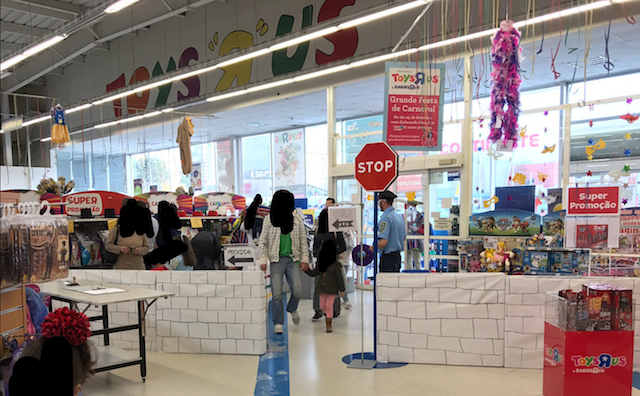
(273, 369)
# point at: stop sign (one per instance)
(376, 166)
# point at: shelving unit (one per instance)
(13, 315)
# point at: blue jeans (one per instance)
(285, 266)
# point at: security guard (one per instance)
(391, 234)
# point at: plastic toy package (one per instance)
(536, 263)
(598, 307)
(470, 255)
(563, 263)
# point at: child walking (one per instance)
(331, 281)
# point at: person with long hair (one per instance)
(249, 218)
(283, 244)
(130, 238)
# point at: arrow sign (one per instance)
(342, 225)
(233, 260)
(343, 218)
(239, 256)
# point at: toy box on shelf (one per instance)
(588, 341)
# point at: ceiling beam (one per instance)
(54, 5)
(9, 47)
(22, 29)
(35, 9)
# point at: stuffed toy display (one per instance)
(496, 260)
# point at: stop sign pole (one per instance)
(376, 170)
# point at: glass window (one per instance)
(317, 158)
(256, 166)
(224, 167)
(288, 155)
(349, 148)
(117, 173)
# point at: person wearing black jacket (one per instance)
(206, 247)
(322, 235)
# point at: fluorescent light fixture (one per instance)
(225, 96)
(304, 38)
(484, 33)
(36, 120)
(12, 61)
(245, 57)
(114, 97)
(321, 73)
(43, 45)
(153, 85)
(78, 108)
(152, 114)
(563, 13)
(47, 139)
(382, 14)
(118, 5)
(270, 85)
(194, 73)
(168, 110)
(383, 57)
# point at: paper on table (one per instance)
(446, 203)
(109, 290)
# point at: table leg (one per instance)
(105, 323)
(141, 334)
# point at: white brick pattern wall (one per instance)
(211, 312)
(455, 319)
(524, 320)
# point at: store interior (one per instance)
(506, 277)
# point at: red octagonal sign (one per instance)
(376, 166)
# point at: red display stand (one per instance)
(587, 362)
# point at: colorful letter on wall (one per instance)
(163, 91)
(242, 70)
(280, 62)
(137, 103)
(345, 41)
(117, 104)
(192, 83)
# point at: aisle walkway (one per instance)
(315, 369)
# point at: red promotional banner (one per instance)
(593, 201)
(413, 106)
(97, 201)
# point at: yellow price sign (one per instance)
(196, 222)
(71, 227)
(111, 223)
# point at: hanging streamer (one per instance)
(608, 65)
(505, 54)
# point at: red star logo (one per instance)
(589, 173)
(510, 178)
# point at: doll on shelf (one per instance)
(59, 130)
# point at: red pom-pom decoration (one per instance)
(71, 325)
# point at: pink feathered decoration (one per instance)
(505, 79)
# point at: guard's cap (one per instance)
(388, 195)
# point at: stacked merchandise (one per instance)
(86, 246)
(599, 307)
(562, 262)
(33, 248)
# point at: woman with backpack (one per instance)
(130, 238)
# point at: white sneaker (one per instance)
(277, 329)
(295, 317)
(348, 305)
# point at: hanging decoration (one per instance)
(59, 130)
(519, 178)
(523, 132)
(542, 176)
(591, 142)
(505, 54)
(625, 185)
(591, 148)
(625, 201)
(627, 136)
(549, 149)
(589, 157)
(589, 173)
(629, 100)
(630, 118)
(590, 123)
(493, 153)
(491, 201)
(627, 152)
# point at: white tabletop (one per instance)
(132, 293)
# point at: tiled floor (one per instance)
(315, 369)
